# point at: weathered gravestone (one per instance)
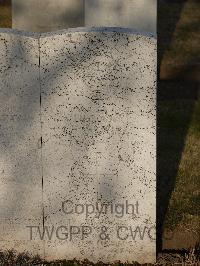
(20, 159)
(78, 144)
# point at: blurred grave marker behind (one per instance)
(140, 15)
(50, 15)
(47, 15)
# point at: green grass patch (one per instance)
(178, 31)
(180, 161)
(5, 16)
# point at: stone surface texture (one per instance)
(20, 159)
(90, 94)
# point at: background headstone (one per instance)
(50, 15)
(47, 15)
(137, 14)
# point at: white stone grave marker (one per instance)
(90, 96)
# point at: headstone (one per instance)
(50, 15)
(47, 15)
(78, 151)
(20, 133)
(137, 14)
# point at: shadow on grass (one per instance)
(5, 2)
(176, 99)
(166, 24)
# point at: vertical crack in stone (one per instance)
(41, 155)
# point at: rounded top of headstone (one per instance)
(79, 30)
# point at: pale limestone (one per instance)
(20, 159)
(99, 134)
(97, 120)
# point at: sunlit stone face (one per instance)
(78, 152)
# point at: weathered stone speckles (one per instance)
(20, 162)
(90, 96)
(98, 106)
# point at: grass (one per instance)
(179, 153)
(179, 118)
(186, 257)
(5, 16)
(185, 201)
(183, 18)
(12, 258)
